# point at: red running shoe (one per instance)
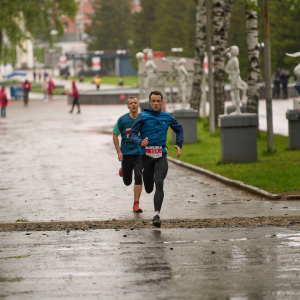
(121, 172)
(136, 208)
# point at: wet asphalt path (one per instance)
(61, 167)
(261, 263)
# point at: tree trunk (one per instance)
(221, 20)
(1, 41)
(199, 53)
(253, 58)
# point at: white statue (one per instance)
(182, 81)
(150, 71)
(297, 68)
(172, 75)
(140, 56)
(237, 84)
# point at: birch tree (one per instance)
(253, 56)
(199, 53)
(220, 25)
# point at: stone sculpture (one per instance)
(151, 69)
(297, 68)
(182, 81)
(237, 84)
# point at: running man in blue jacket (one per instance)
(150, 132)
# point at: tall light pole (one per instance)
(268, 86)
(52, 49)
(210, 74)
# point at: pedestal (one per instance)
(294, 129)
(238, 138)
(231, 108)
(143, 104)
(188, 119)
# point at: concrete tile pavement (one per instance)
(63, 167)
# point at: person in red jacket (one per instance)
(26, 86)
(75, 97)
(51, 87)
(3, 102)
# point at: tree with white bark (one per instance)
(253, 56)
(220, 25)
(199, 53)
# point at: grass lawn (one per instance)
(57, 91)
(114, 80)
(276, 172)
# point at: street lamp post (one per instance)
(52, 50)
(52, 53)
(176, 50)
(268, 85)
(210, 73)
(120, 62)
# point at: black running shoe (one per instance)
(156, 221)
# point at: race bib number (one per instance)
(154, 151)
(127, 132)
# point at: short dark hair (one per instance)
(156, 93)
(131, 98)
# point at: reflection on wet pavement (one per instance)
(60, 167)
(64, 167)
(261, 263)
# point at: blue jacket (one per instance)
(154, 125)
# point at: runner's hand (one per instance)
(178, 150)
(120, 156)
(144, 142)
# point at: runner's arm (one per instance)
(116, 132)
(135, 130)
(177, 128)
(117, 146)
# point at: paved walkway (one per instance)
(57, 167)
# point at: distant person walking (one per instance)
(284, 77)
(26, 87)
(97, 81)
(34, 76)
(276, 84)
(75, 94)
(129, 153)
(51, 87)
(3, 102)
(45, 74)
(45, 88)
(40, 75)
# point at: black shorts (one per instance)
(132, 163)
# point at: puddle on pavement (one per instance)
(293, 240)
(95, 130)
(6, 152)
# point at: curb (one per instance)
(234, 183)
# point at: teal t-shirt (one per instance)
(123, 127)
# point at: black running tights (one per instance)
(155, 171)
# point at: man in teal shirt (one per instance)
(129, 153)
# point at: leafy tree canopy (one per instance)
(111, 23)
(20, 17)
